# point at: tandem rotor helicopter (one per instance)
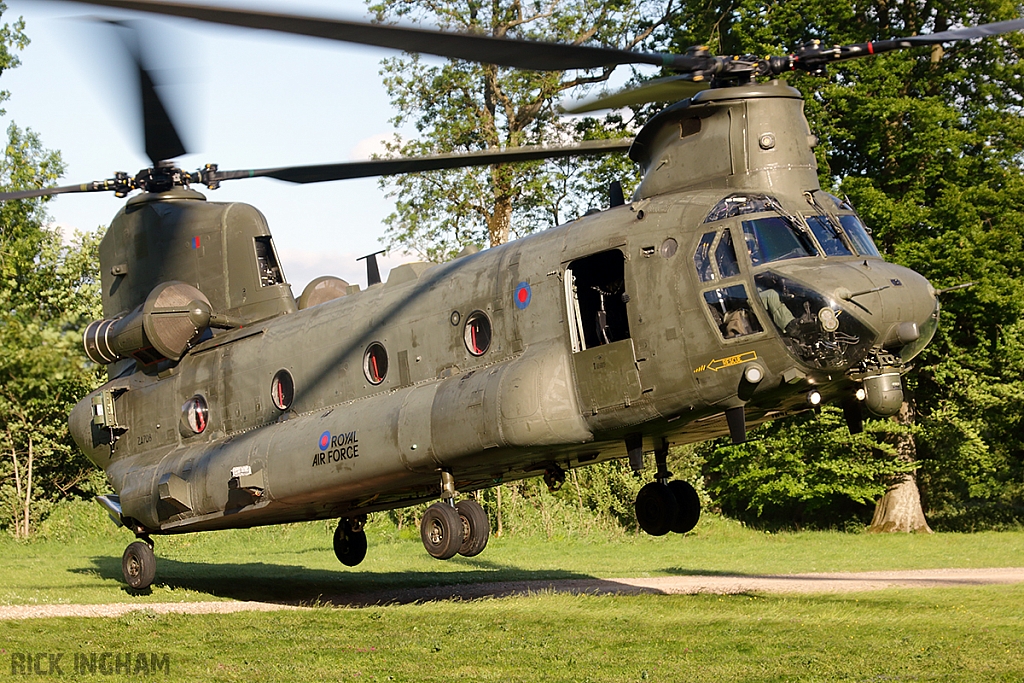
(727, 291)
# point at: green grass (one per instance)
(974, 634)
(79, 559)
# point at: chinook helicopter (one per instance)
(728, 290)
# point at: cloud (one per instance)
(374, 144)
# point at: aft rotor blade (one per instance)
(383, 167)
(669, 89)
(98, 186)
(520, 54)
(161, 137)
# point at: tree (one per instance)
(927, 145)
(49, 290)
(462, 106)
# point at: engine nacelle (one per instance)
(172, 317)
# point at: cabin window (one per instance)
(375, 363)
(741, 205)
(196, 414)
(730, 309)
(702, 258)
(477, 333)
(282, 390)
(596, 297)
(266, 262)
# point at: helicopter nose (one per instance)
(898, 303)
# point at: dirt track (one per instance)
(663, 585)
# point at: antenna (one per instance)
(372, 271)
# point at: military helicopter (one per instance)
(727, 291)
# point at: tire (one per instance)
(689, 506)
(476, 527)
(139, 565)
(442, 531)
(656, 509)
(349, 546)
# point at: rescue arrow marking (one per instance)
(717, 364)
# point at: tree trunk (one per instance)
(899, 510)
(497, 493)
(28, 488)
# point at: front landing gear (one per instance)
(350, 541)
(449, 528)
(663, 506)
(139, 564)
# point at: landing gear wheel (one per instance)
(476, 527)
(689, 506)
(656, 509)
(139, 565)
(349, 545)
(442, 531)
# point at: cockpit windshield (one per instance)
(828, 236)
(859, 236)
(775, 238)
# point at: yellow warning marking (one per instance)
(717, 364)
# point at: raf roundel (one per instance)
(523, 294)
(325, 440)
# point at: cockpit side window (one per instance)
(730, 309)
(774, 239)
(702, 258)
(725, 256)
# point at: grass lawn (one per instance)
(975, 634)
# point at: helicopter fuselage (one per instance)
(708, 303)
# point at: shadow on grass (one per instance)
(298, 585)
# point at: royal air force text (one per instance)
(343, 447)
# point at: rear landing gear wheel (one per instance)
(139, 565)
(476, 527)
(689, 506)
(349, 545)
(656, 509)
(442, 531)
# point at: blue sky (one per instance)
(252, 99)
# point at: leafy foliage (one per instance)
(807, 471)
(463, 107)
(49, 292)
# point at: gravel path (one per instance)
(662, 585)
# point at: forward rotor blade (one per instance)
(520, 54)
(382, 167)
(669, 89)
(813, 58)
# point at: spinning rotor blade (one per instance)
(161, 138)
(98, 186)
(814, 57)
(381, 167)
(669, 89)
(163, 178)
(519, 54)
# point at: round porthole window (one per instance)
(196, 413)
(375, 363)
(478, 333)
(282, 390)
